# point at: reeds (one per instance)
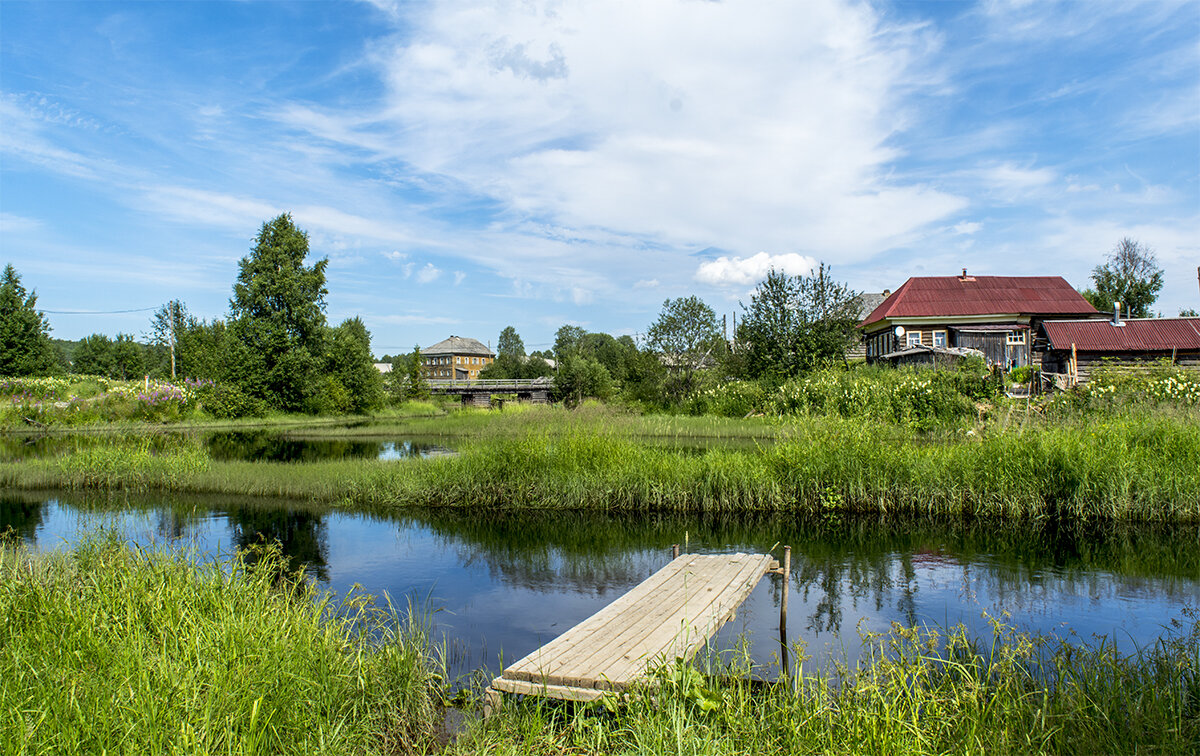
(915, 691)
(1123, 467)
(107, 649)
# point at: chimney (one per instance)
(964, 276)
(1117, 314)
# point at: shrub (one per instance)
(224, 401)
(728, 399)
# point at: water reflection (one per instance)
(268, 446)
(506, 583)
(252, 445)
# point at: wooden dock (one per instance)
(670, 614)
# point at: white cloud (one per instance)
(396, 254)
(747, 125)
(646, 283)
(743, 271)
(16, 224)
(458, 277)
(428, 274)
(967, 227)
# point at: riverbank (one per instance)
(105, 647)
(917, 691)
(1135, 467)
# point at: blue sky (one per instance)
(468, 165)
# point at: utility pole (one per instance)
(173, 312)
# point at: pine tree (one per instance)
(25, 347)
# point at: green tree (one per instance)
(25, 347)
(168, 326)
(417, 387)
(510, 343)
(510, 356)
(686, 337)
(1130, 276)
(566, 341)
(579, 378)
(277, 317)
(795, 323)
(349, 363)
(126, 358)
(93, 356)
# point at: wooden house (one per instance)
(455, 358)
(994, 315)
(1074, 348)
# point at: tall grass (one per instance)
(133, 466)
(106, 649)
(916, 691)
(1120, 467)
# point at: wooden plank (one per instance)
(664, 598)
(624, 656)
(672, 613)
(579, 633)
(566, 693)
(612, 648)
(687, 629)
(583, 637)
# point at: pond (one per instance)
(498, 585)
(256, 445)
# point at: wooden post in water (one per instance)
(783, 609)
(675, 551)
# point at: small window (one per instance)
(1016, 338)
(939, 339)
(914, 338)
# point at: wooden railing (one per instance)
(488, 383)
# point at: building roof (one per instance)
(1137, 335)
(950, 296)
(866, 302)
(458, 345)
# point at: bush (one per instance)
(1117, 390)
(919, 397)
(728, 399)
(224, 401)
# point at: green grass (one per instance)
(106, 649)
(1120, 467)
(916, 691)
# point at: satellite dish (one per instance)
(899, 332)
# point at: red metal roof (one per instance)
(1142, 335)
(939, 296)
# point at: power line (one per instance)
(97, 312)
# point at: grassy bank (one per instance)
(1124, 467)
(104, 648)
(916, 692)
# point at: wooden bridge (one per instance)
(479, 392)
(671, 614)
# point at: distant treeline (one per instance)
(275, 350)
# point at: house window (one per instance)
(1016, 338)
(939, 339)
(914, 338)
